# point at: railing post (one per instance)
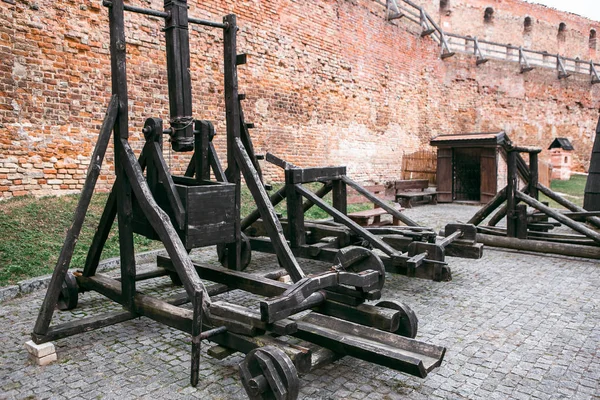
(562, 72)
(594, 73)
(477, 50)
(525, 67)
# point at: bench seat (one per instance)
(362, 217)
(408, 199)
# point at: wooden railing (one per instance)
(485, 50)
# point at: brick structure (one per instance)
(342, 86)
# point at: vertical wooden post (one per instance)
(204, 130)
(295, 211)
(123, 186)
(533, 174)
(340, 197)
(196, 337)
(511, 187)
(232, 115)
(153, 131)
(521, 220)
(178, 73)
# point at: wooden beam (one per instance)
(66, 253)
(567, 204)
(489, 208)
(344, 219)
(267, 211)
(371, 197)
(161, 223)
(576, 226)
(539, 246)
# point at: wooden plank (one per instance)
(362, 232)
(167, 182)
(540, 246)
(489, 174)
(233, 118)
(305, 175)
(161, 223)
(66, 252)
(511, 189)
(567, 204)
(215, 164)
(274, 199)
(387, 349)
(411, 184)
(296, 230)
(339, 196)
(364, 313)
(430, 269)
(391, 210)
(267, 211)
(203, 132)
(576, 226)
(444, 176)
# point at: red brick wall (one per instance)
(327, 83)
(466, 17)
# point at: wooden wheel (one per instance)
(69, 293)
(268, 373)
(359, 259)
(409, 323)
(245, 257)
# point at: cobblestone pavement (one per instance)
(517, 326)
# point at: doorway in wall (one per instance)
(466, 174)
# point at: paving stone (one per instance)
(515, 325)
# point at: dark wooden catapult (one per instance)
(190, 211)
(531, 229)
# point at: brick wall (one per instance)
(507, 25)
(340, 87)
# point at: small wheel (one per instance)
(69, 293)
(268, 373)
(245, 256)
(409, 323)
(359, 259)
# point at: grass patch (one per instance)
(32, 232)
(572, 190)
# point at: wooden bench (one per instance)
(413, 192)
(363, 218)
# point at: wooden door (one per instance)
(489, 174)
(444, 175)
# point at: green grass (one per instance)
(32, 232)
(572, 190)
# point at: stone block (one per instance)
(41, 361)
(40, 350)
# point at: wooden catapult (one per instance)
(191, 211)
(531, 229)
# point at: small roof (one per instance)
(562, 143)
(471, 139)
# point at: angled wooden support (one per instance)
(523, 61)
(380, 203)
(267, 211)
(153, 147)
(162, 225)
(594, 73)
(344, 219)
(104, 226)
(560, 66)
(563, 219)
(567, 204)
(489, 208)
(66, 253)
(478, 53)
